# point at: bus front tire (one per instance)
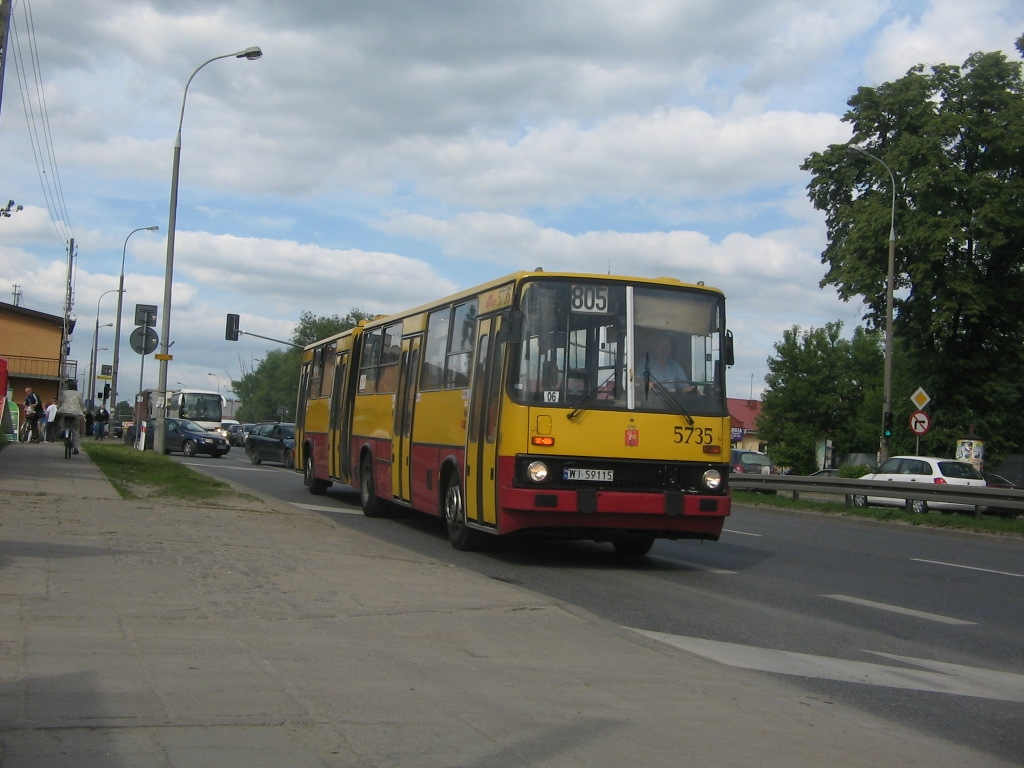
(316, 487)
(372, 505)
(461, 536)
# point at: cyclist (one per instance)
(71, 411)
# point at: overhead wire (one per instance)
(38, 121)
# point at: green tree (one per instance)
(7, 210)
(952, 137)
(821, 386)
(272, 387)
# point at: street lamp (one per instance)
(165, 327)
(218, 380)
(117, 331)
(883, 444)
(91, 391)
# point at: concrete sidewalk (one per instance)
(146, 633)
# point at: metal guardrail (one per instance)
(975, 496)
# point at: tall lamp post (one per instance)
(883, 444)
(91, 389)
(117, 330)
(218, 380)
(165, 327)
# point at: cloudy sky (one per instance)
(384, 153)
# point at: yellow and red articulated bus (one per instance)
(570, 405)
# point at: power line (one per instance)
(38, 123)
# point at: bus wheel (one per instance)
(316, 487)
(637, 545)
(462, 537)
(372, 505)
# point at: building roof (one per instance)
(57, 319)
(744, 413)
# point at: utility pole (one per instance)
(5, 25)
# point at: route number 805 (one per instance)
(589, 299)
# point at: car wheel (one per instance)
(255, 458)
(316, 487)
(188, 448)
(633, 546)
(461, 536)
(372, 505)
(860, 502)
(919, 507)
(289, 460)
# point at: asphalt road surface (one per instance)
(921, 626)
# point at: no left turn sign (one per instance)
(920, 422)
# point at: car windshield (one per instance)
(755, 458)
(288, 431)
(190, 426)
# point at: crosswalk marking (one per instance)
(917, 675)
(898, 609)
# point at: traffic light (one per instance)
(106, 391)
(887, 425)
(231, 331)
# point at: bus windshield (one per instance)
(204, 407)
(588, 344)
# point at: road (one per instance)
(921, 626)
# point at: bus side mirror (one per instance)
(511, 330)
(730, 354)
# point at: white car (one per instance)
(922, 469)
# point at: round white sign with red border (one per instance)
(920, 422)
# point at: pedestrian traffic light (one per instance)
(887, 425)
(231, 331)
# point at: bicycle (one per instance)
(69, 446)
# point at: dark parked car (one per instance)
(271, 441)
(185, 436)
(751, 462)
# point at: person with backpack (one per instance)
(33, 410)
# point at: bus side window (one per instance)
(460, 352)
(434, 352)
(368, 368)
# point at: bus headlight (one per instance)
(712, 479)
(537, 471)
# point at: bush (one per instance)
(854, 470)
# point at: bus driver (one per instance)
(663, 368)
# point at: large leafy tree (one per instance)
(821, 387)
(271, 389)
(952, 137)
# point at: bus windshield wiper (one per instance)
(589, 398)
(664, 394)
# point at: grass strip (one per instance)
(1013, 526)
(144, 474)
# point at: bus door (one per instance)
(482, 430)
(405, 405)
(338, 430)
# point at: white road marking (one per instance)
(931, 676)
(741, 533)
(967, 567)
(318, 508)
(898, 609)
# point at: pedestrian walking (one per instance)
(102, 418)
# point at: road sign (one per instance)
(920, 398)
(163, 357)
(143, 340)
(920, 423)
